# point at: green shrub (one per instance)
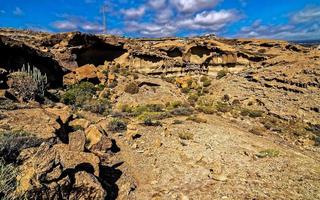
(223, 107)
(97, 106)
(193, 98)
(77, 94)
(251, 113)
(132, 88)
(222, 73)
(268, 153)
(176, 121)
(182, 111)
(174, 104)
(197, 119)
(81, 96)
(185, 90)
(150, 122)
(206, 109)
(100, 87)
(117, 125)
(184, 135)
(206, 82)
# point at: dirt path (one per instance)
(218, 162)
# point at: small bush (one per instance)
(251, 113)
(97, 106)
(257, 131)
(176, 121)
(79, 93)
(132, 88)
(196, 119)
(193, 98)
(117, 125)
(184, 135)
(206, 109)
(268, 153)
(222, 73)
(223, 107)
(28, 84)
(135, 76)
(182, 111)
(82, 96)
(174, 104)
(150, 122)
(206, 82)
(185, 90)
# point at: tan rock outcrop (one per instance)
(84, 73)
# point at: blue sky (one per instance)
(278, 19)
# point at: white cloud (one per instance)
(302, 25)
(134, 12)
(192, 6)
(65, 25)
(215, 17)
(309, 14)
(156, 4)
(72, 23)
(18, 12)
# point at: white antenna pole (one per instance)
(104, 20)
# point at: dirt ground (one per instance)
(216, 160)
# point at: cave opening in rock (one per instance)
(13, 58)
(175, 52)
(98, 53)
(200, 51)
(149, 58)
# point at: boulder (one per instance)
(84, 73)
(87, 187)
(82, 123)
(48, 172)
(77, 141)
(97, 139)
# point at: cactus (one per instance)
(37, 76)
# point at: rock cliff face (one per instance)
(60, 53)
(166, 118)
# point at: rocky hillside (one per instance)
(104, 117)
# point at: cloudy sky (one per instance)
(279, 19)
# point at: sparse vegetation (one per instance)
(196, 119)
(13, 142)
(251, 113)
(185, 135)
(176, 121)
(206, 82)
(117, 125)
(268, 153)
(83, 95)
(223, 107)
(182, 111)
(132, 88)
(222, 73)
(150, 122)
(8, 174)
